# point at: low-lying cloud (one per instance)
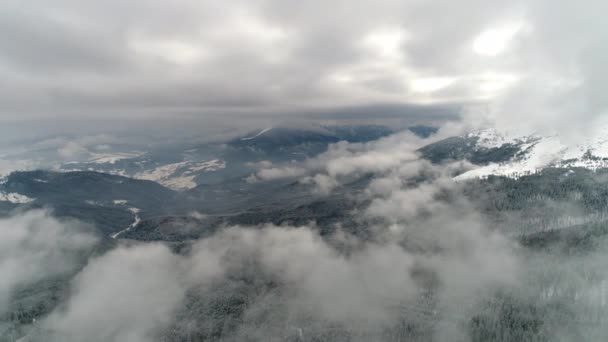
(429, 268)
(126, 295)
(133, 293)
(420, 245)
(35, 246)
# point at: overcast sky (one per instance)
(154, 58)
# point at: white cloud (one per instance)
(71, 150)
(126, 295)
(429, 85)
(386, 43)
(34, 246)
(272, 173)
(495, 41)
(265, 55)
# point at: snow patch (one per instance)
(14, 197)
(207, 166)
(162, 172)
(257, 135)
(179, 183)
(112, 158)
(180, 176)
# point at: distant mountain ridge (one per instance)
(187, 164)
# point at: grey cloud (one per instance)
(37, 43)
(144, 59)
(241, 64)
(8, 166)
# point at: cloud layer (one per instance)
(526, 59)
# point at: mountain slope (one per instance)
(104, 200)
(517, 155)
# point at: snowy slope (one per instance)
(180, 176)
(258, 134)
(14, 197)
(539, 152)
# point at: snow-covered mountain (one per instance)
(516, 155)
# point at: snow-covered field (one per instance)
(180, 176)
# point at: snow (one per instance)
(208, 166)
(180, 183)
(541, 152)
(180, 176)
(112, 158)
(136, 221)
(489, 138)
(14, 197)
(257, 135)
(160, 173)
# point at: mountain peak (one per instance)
(511, 155)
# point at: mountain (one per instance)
(279, 143)
(513, 156)
(184, 165)
(282, 137)
(552, 214)
(423, 131)
(109, 202)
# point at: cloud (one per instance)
(137, 291)
(35, 246)
(335, 287)
(268, 174)
(272, 56)
(343, 161)
(9, 166)
(71, 150)
(128, 294)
